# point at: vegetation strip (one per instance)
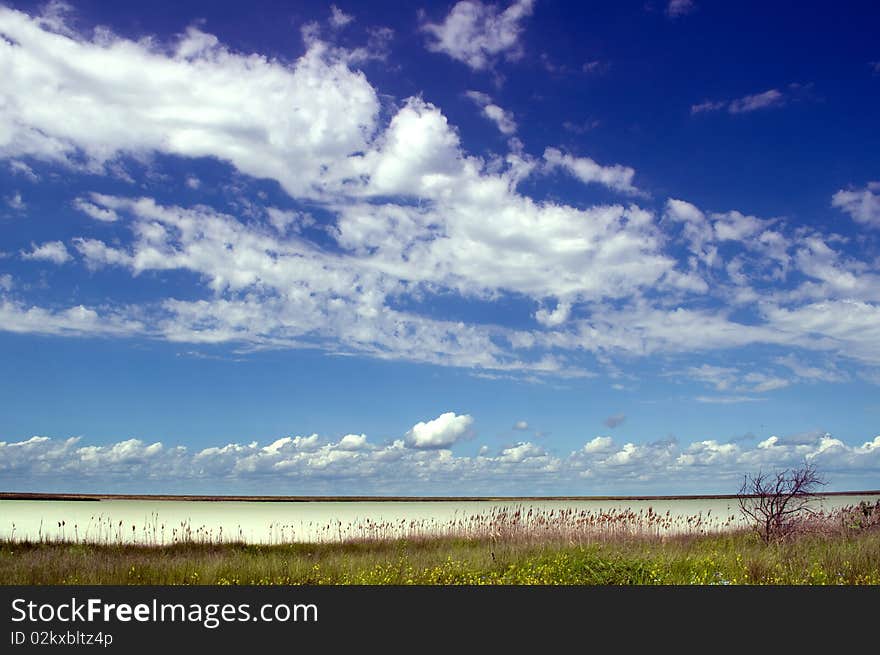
(733, 558)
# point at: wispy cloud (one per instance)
(726, 400)
(16, 202)
(676, 8)
(339, 18)
(769, 99)
(503, 119)
(595, 67)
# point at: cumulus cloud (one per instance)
(543, 251)
(476, 34)
(598, 445)
(441, 432)
(520, 452)
(192, 98)
(51, 251)
(353, 465)
(353, 442)
(400, 206)
(863, 205)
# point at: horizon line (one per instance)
(25, 495)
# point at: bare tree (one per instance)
(776, 503)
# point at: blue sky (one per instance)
(523, 248)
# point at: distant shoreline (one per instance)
(15, 495)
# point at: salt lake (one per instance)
(166, 521)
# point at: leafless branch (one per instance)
(776, 503)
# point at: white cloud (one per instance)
(721, 377)
(268, 118)
(595, 66)
(95, 211)
(293, 288)
(6, 282)
(726, 400)
(51, 251)
(21, 168)
(74, 321)
(476, 34)
(556, 317)
(405, 206)
(339, 18)
(441, 432)
(863, 205)
(617, 177)
(708, 105)
(598, 445)
(15, 201)
(676, 8)
(749, 103)
(761, 382)
(503, 119)
(521, 425)
(731, 379)
(353, 442)
(769, 98)
(354, 466)
(582, 127)
(98, 254)
(735, 226)
(805, 371)
(287, 219)
(520, 452)
(849, 327)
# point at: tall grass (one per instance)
(519, 522)
(501, 547)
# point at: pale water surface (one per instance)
(166, 521)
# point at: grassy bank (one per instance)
(733, 558)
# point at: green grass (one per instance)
(731, 558)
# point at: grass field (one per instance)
(734, 558)
(500, 547)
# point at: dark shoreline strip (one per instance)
(14, 495)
